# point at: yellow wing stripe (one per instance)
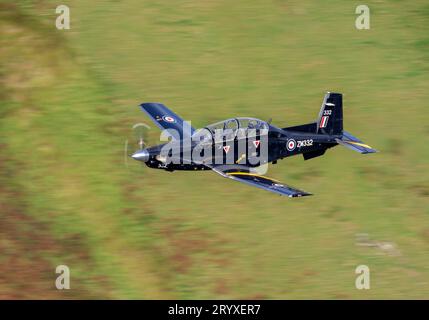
(251, 174)
(359, 144)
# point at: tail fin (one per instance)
(330, 119)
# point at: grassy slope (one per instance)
(56, 130)
(198, 236)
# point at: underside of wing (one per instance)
(262, 182)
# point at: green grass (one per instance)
(69, 99)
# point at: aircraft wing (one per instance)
(166, 119)
(260, 181)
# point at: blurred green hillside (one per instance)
(68, 100)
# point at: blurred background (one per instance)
(70, 97)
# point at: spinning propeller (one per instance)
(136, 144)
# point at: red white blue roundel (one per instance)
(291, 144)
(168, 119)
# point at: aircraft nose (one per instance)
(141, 155)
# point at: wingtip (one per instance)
(148, 104)
(299, 195)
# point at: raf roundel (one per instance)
(169, 119)
(291, 144)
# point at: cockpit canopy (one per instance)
(239, 123)
(234, 127)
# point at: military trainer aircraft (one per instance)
(238, 147)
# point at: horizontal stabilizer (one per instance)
(349, 137)
(354, 143)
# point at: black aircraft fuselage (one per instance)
(282, 143)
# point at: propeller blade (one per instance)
(136, 142)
